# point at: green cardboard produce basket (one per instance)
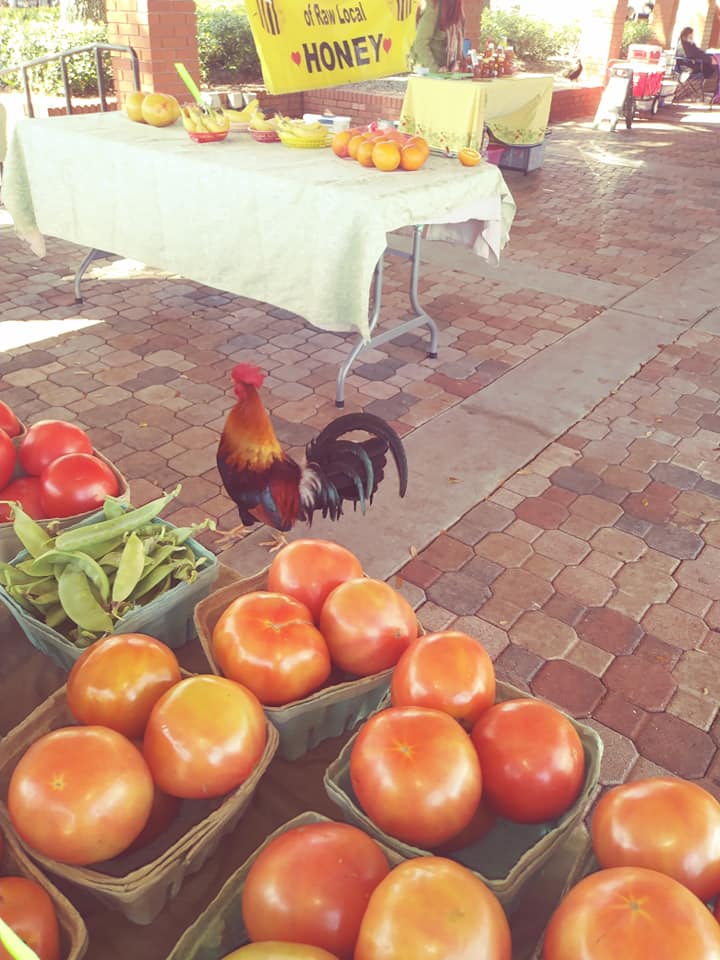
(140, 883)
(339, 706)
(511, 852)
(14, 863)
(220, 928)
(168, 618)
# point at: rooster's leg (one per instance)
(276, 542)
(236, 533)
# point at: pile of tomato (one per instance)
(146, 738)
(351, 904)
(320, 621)
(60, 476)
(30, 912)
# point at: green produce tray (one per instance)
(14, 863)
(138, 884)
(329, 712)
(220, 928)
(168, 618)
(9, 543)
(510, 853)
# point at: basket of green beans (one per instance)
(123, 570)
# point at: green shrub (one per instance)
(531, 38)
(26, 34)
(636, 31)
(225, 45)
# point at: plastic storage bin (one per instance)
(523, 158)
(510, 853)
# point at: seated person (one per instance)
(439, 38)
(689, 56)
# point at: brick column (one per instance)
(664, 21)
(161, 32)
(603, 22)
(473, 12)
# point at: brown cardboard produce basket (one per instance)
(338, 706)
(73, 935)
(507, 856)
(220, 929)
(10, 546)
(138, 884)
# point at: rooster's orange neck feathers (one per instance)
(248, 438)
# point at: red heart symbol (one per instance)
(387, 43)
(295, 57)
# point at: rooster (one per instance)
(269, 487)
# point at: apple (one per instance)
(160, 109)
(133, 106)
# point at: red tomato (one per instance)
(367, 626)
(416, 775)
(26, 492)
(28, 909)
(430, 908)
(274, 950)
(80, 795)
(268, 643)
(8, 457)
(532, 760)
(480, 825)
(204, 737)
(629, 913)
(8, 421)
(76, 483)
(340, 867)
(118, 680)
(163, 812)
(664, 824)
(47, 440)
(309, 570)
(446, 671)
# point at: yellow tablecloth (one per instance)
(450, 115)
(300, 229)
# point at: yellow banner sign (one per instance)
(303, 46)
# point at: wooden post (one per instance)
(602, 29)
(161, 32)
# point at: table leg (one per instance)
(421, 318)
(82, 269)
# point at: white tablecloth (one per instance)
(300, 229)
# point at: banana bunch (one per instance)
(297, 133)
(197, 120)
(259, 122)
(244, 115)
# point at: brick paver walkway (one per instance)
(592, 573)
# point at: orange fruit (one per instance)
(469, 157)
(412, 157)
(365, 153)
(422, 143)
(340, 143)
(386, 155)
(353, 144)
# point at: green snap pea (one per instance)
(130, 569)
(55, 616)
(80, 538)
(182, 534)
(79, 601)
(11, 576)
(100, 550)
(18, 595)
(53, 559)
(155, 577)
(158, 556)
(114, 508)
(30, 534)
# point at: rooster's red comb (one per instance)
(248, 374)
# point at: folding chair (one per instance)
(693, 85)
